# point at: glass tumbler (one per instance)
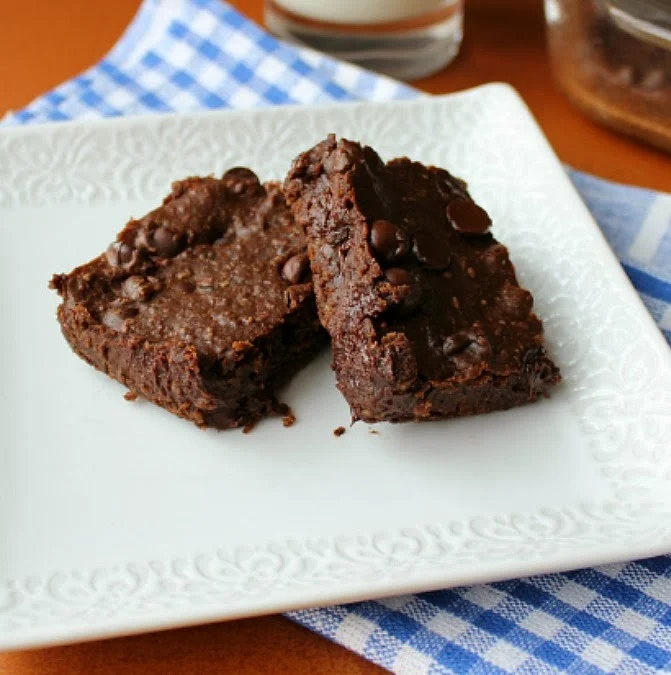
(401, 38)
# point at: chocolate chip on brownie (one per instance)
(296, 269)
(388, 240)
(467, 217)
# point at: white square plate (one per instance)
(118, 517)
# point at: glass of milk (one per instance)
(406, 39)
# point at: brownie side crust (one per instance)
(426, 317)
(204, 306)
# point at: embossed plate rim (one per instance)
(67, 605)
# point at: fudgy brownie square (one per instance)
(425, 314)
(204, 306)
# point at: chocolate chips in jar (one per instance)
(626, 59)
(613, 60)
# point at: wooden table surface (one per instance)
(44, 43)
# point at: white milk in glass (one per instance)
(361, 11)
(406, 39)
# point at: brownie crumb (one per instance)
(339, 431)
(289, 419)
(374, 432)
(130, 396)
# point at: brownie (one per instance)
(204, 306)
(425, 314)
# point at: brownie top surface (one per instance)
(416, 258)
(218, 265)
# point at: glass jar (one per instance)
(406, 40)
(613, 60)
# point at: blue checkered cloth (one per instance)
(194, 54)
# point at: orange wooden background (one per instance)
(43, 43)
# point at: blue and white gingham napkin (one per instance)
(195, 54)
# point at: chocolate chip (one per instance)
(165, 242)
(125, 253)
(296, 268)
(432, 250)
(467, 217)
(470, 353)
(137, 288)
(372, 195)
(398, 276)
(241, 173)
(388, 240)
(241, 179)
(120, 254)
